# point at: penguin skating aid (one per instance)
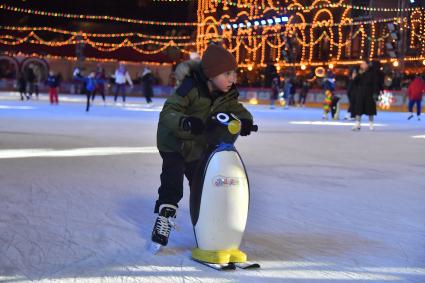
(219, 199)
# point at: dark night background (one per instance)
(183, 11)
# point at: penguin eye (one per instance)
(223, 117)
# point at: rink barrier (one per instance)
(261, 95)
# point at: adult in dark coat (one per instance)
(363, 101)
(350, 94)
(147, 81)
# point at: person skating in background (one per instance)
(363, 102)
(121, 78)
(53, 83)
(378, 79)
(90, 82)
(287, 91)
(100, 83)
(415, 92)
(147, 81)
(76, 83)
(22, 86)
(292, 92)
(275, 90)
(330, 102)
(209, 87)
(32, 81)
(350, 91)
(305, 87)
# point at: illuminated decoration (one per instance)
(301, 8)
(93, 17)
(321, 33)
(320, 72)
(423, 62)
(396, 63)
(253, 101)
(282, 100)
(102, 35)
(33, 38)
(289, 33)
(89, 59)
(327, 101)
(385, 100)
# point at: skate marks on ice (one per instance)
(138, 212)
(330, 256)
(46, 232)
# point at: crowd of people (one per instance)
(363, 88)
(91, 84)
(365, 85)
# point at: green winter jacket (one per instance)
(192, 98)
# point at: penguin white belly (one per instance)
(224, 203)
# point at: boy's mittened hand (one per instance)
(246, 127)
(193, 124)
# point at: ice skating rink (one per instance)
(77, 192)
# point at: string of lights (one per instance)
(89, 59)
(104, 35)
(94, 17)
(302, 8)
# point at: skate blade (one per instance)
(154, 248)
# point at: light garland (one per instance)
(327, 29)
(94, 17)
(89, 59)
(101, 46)
(301, 8)
(102, 35)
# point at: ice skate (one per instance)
(356, 126)
(162, 228)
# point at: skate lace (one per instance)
(164, 225)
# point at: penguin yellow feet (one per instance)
(219, 256)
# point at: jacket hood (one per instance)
(186, 69)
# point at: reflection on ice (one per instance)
(331, 123)
(16, 107)
(90, 151)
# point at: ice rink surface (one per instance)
(77, 192)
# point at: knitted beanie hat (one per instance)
(217, 60)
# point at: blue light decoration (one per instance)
(263, 22)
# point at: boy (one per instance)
(208, 88)
(53, 84)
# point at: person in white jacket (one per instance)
(121, 78)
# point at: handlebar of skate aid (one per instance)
(254, 128)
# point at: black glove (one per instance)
(193, 124)
(246, 127)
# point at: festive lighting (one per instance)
(258, 30)
(253, 101)
(301, 8)
(385, 100)
(93, 17)
(303, 67)
(396, 63)
(423, 62)
(103, 35)
(89, 59)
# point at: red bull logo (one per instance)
(226, 182)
